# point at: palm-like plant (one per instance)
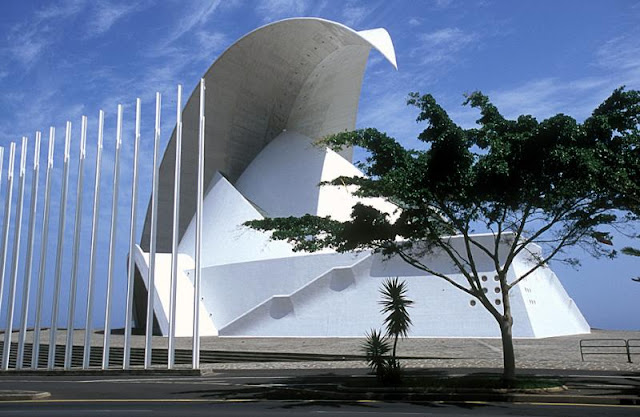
(375, 349)
(394, 304)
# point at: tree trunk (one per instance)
(508, 353)
(395, 343)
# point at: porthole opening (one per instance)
(484, 277)
(486, 290)
(498, 302)
(496, 278)
(472, 303)
(497, 290)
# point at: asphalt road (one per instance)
(242, 393)
(303, 408)
(243, 384)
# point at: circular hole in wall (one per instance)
(498, 302)
(497, 290)
(484, 277)
(472, 303)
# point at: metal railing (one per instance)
(36, 268)
(633, 347)
(609, 347)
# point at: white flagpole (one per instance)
(16, 257)
(112, 240)
(198, 261)
(176, 231)
(26, 288)
(1, 163)
(43, 251)
(132, 236)
(152, 240)
(94, 241)
(59, 249)
(7, 217)
(68, 352)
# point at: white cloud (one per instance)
(185, 44)
(26, 43)
(28, 40)
(451, 37)
(442, 4)
(197, 13)
(388, 112)
(414, 21)
(271, 10)
(443, 45)
(108, 13)
(60, 10)
(621, 53)
(539, 98)
(619, 60)
(545, 97)
(354, 13)
(210, 43)
(37, 115)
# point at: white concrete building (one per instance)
(269, 96)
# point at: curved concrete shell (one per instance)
(301, 74)
(269, 96)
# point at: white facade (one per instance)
(261, 161)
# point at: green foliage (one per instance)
(376, 348)
(556, 183)
(503, 175)
(631, 251)
(397, 322)
(394, 306)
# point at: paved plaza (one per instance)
(547, 353)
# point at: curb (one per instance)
(15, 395)
(461, 390)
(468, 396)
(101, 372)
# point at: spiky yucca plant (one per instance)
(394, 305)
(375, 349)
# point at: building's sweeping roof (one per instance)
(301, 74)
(269, 97)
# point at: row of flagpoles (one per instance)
(37, 274)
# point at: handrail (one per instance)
(592, 346)
(304, 287)
(635, 345)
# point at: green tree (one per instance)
(525, 182)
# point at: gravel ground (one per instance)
(547, 353)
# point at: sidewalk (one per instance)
(342, 385)
(598, 379)
(547, 353)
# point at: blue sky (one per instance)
(60, 60)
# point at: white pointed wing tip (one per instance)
(381, 40)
